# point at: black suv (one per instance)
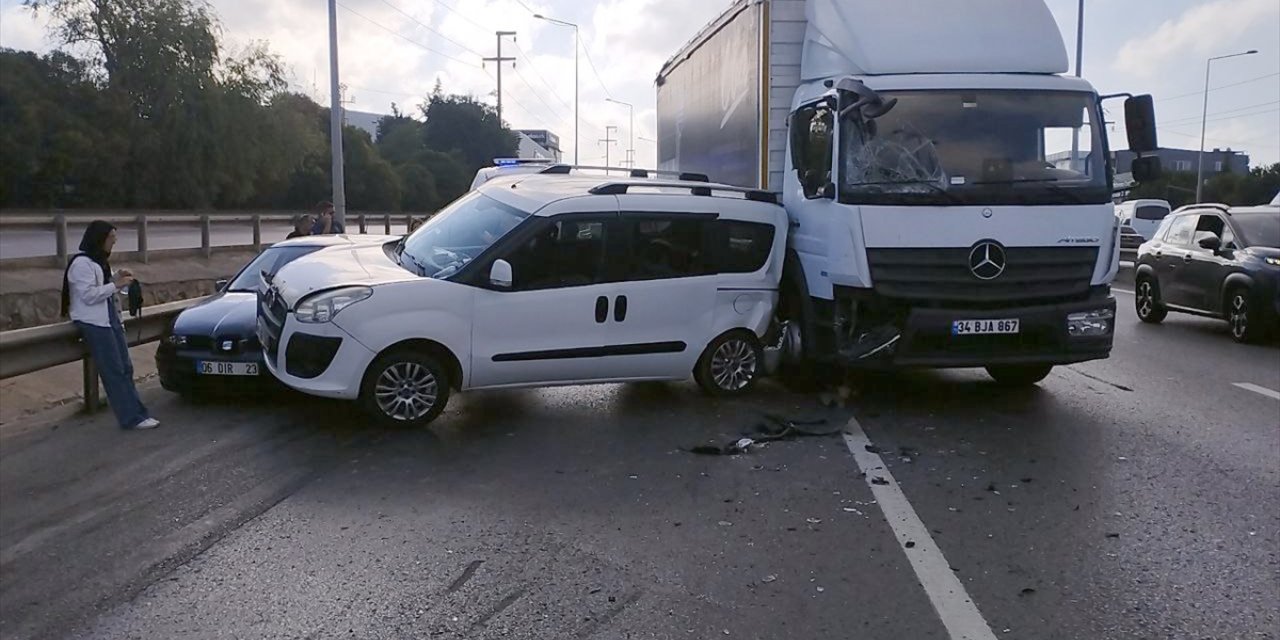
(1216, 261)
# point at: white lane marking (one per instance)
(954, 606)
(1123, 291)
(1249, 386)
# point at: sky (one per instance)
(393, 51)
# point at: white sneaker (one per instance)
(149, 423)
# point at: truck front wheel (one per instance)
(1019, 375)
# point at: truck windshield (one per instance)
(456, 235)
(976, 147)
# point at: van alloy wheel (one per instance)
(734, 364)
(1238, 316)
(406, 391)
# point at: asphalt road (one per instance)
(1135, 497)
(16, 242)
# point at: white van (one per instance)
(536, 281)
(1143, 215)
(508, 167)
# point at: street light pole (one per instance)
(335, 121)
(577, 45)
(1204, 116)
(1075, 133)
(631, 130)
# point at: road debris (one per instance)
(775, 428)
(813, 520)
(769, 578)
(879, 481)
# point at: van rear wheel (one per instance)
(730, 365)
(405, 388)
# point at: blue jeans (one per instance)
(110, 354)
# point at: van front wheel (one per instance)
(405, 389)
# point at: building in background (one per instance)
(546, 140)
(1185, 160)
(364, 120)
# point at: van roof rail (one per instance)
(620, 187)
(564, 168)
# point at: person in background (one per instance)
(89, 290)
(301, 226)
(325, 224)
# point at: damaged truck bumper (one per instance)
(1061, 333)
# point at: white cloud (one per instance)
(19, 29)
(1205, 30)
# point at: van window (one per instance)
(668, 247)
(1151, 212)
(562, 253)
(745, 246)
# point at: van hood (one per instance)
(342, 266)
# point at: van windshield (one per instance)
(457, 235)
(976, 147)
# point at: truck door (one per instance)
(811, 192)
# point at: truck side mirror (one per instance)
(1145, 169)
(1140, 124)
(500, 274)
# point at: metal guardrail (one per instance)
(140, 221)
(35, 348)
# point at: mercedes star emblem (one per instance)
(986, 260)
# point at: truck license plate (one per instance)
(210, 368)
(982, 327)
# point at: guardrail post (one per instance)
(408, 221)
(362, 225)
(257, 233)
(91, 398)
(206, 246)
(386, 221)
(60, 232)
(141, 226)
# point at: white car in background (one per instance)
(1144, 216)
(536, 281)
(510, 167)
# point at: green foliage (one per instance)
(1258, 186)
(157, 114)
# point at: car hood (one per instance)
(233, 313)
(1265, 252)
(338, 267)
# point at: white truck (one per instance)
(948, 187)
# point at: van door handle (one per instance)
(620, 309)
(602, 309)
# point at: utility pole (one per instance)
(499, 60)
(1204, 118)
(335, 120)
(608, 140)
(631, 130)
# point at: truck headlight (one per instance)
(322, 307)
(1090, 323)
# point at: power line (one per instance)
(409, 40)
(432, 30)
(1235, 143)
(1221, 86)
(1194, 119)
(550, 88)
(587, 52)
(455, 12)
(550, 109)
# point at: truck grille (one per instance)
(1031, 274)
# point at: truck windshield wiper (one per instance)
(1049, 182)
(950, 197)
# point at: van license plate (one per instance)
(983, 327)
(208, 368)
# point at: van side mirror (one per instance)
(221, 284)
(1140, 124)
(1146, 169)
(500, 274)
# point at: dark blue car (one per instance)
(213, 345)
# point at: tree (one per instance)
(472, 129)
(1179, 187)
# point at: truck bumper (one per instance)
(1043, 337)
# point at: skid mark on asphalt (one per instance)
(1102, 380)
(466, 575)
(959, 614)
(1249, 386)
(502, 605)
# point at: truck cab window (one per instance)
(812, 130)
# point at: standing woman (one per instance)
(88, 297)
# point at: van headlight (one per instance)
(323, 306)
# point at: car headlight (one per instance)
(177, 341)
(1275, 262)
(1090, 323)
(322, 307)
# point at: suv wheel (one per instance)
(1019, 375)
(1244, 326)
(1146, 301)
(405, 388)
(731, 365)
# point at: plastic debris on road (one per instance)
(775, 428)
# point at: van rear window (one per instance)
(1151, 212)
